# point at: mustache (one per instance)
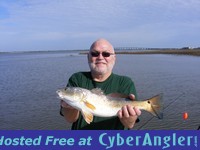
(99, 62)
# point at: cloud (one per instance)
(143, 23)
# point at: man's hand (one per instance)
(70, 113)
(129, 114)
(65, 105)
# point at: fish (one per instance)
(95, 103)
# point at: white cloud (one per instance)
(145, 22)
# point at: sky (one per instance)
(32, 25)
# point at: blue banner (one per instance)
(105, 139)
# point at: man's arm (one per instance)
(69, 113)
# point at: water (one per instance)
(28, 83)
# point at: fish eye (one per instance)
(148, 102)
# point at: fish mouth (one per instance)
(58, 91)
(60, 94)
(59, 97)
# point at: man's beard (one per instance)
(101, 70)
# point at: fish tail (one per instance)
(156, 107)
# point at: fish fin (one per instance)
(89, 105)
(156, 108)
(97, 91)
(87, 116)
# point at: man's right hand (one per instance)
(70, 113)
(65, 105)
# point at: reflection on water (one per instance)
(28, 84)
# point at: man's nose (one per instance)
(100, 56)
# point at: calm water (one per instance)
(28, 83)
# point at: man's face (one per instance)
(98, 62)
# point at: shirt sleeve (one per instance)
(73, 82)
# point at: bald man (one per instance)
(101, 60)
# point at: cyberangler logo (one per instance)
(164, 142)
(170, 140)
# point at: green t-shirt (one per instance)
(114, 84)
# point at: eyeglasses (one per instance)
(104, 54)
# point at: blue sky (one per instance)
(74, 24)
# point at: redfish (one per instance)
(95, 103)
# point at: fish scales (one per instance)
(95, 103)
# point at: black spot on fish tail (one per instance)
(156, 105)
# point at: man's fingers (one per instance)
(128, 111)
(65, 105)
(119, 113)
(132, 96)
(131, 110)
(125, 112)
(137, 111)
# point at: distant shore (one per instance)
(192, 52)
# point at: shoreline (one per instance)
(191, 52)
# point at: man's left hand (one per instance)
(129, 114)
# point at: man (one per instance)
(101, 59)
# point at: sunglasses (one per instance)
(104, 54)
